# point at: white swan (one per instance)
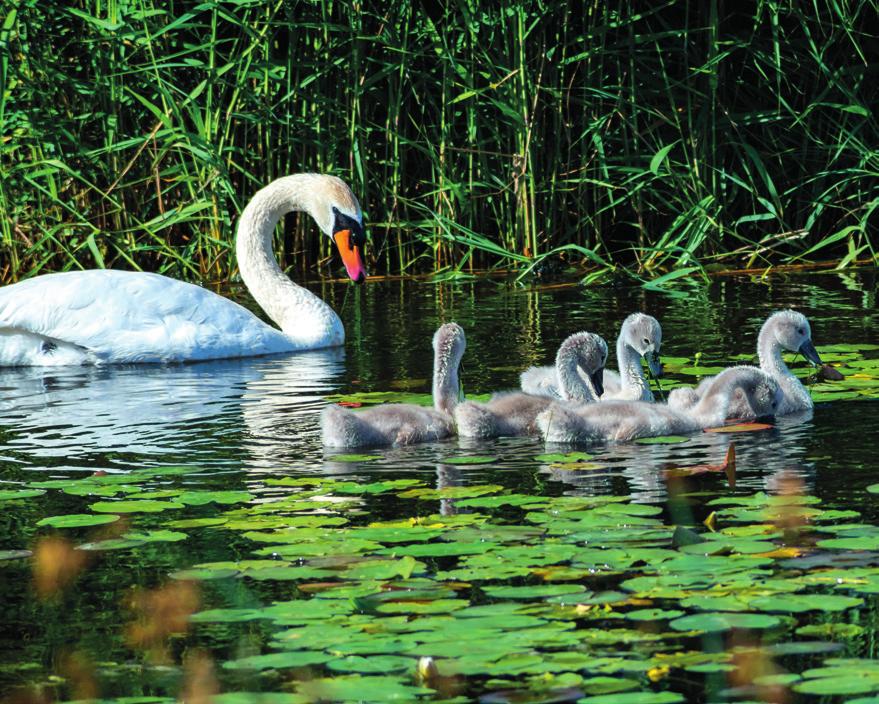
(114, 317)
(622, 421)
(404, 423)
(640, 336)
(783, 330)
(513, 413)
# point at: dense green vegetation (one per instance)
(653, 137)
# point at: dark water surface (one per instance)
(243, 421)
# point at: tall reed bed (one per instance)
(654, 138)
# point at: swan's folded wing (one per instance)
(118, 316)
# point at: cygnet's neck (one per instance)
(298, 312)
(446, 384)
(769, 351)
(572, 385)
(631, 373)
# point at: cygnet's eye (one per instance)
(801, 331)
(646, 341)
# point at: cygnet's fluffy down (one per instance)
(514, 412)
(785, 330)
(640, 337)
(403, 423)
(622, 421)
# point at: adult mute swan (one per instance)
(513, 413)
(640, 336)
(783, 330)
(622, 421)
(404, 423)
(120, 317)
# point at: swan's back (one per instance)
(110, 316)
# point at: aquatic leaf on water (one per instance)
(538, 591)
(124, 506)
(200, 498)
(634, 698)
(740, 428)
(717, 622)
(366, 688)
(451, 492)
(204, 574)
(799, 603)
(831, 630)
(12, 494)
(662, 440)
(374, 664)
(468, 459)
(14, 554)
(354, 458)
(133, 539)
(278, 661)
(652, 615)
(78, 520)
(873, 488)
(565, 457)
(197, 522)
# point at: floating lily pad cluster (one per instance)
(478, 589)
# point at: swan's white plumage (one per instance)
(118, 317)
(112, 316)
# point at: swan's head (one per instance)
(336, 211)
(643, 334)
(791, 330)
(590, 352)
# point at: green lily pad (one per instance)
(364, 688)
(718, 622)
(469, 459)
(14, 554)
(566, 457)
(12, 494)
(278, 661)
(662, 440)
(634, 698)
(373, 664)
(354, 458)
(78, 520)
(145, 506)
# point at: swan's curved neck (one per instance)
(446, 385)
(572, 385)
(769, 353)
(296, 310)
(631, 373)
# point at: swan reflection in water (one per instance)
(251, 413)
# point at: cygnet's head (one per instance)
(764, 395)
(590, 352)
(449, 343)
(791, 330)
(644, 335)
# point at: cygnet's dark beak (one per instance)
(654, 363)
(807, 349)
(597, 379)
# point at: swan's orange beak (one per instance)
(351, 255)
